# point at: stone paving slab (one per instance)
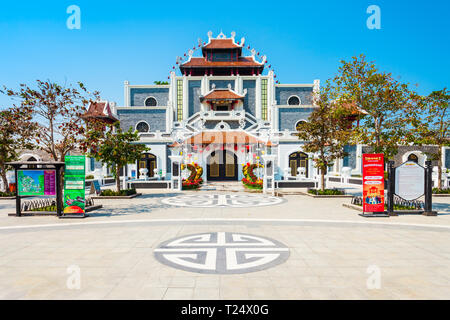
(331, 248)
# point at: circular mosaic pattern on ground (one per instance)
(222, 253)
(222, 200)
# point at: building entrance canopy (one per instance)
(223, 137)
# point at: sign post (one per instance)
(428, 208)
(373, 185)
(74, 187)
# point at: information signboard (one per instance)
(36, 182)
(373, 182)
(95, 187)
(409, 181)
(74, 185)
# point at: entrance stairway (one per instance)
(223, 186)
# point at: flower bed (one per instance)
(194, 181)
(258, 184)
(192, 185)
(250, 180)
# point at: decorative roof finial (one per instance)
(213, 86)
(200, 41)
(253, 51)
(221, 35)
(190, 53)
(210, 35)
(233, 34)
(242, 41)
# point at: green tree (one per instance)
(327, 131)
(385, 99)
(57, 111)
(118, 148)
(16, 133)
(431, 125)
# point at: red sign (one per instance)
(373, 182)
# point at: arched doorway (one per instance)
(222, 166)
(414, 158)
(297, 160)
(148, 161)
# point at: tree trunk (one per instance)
(4, 179)
(118, 178)
(322, 179)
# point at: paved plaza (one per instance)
(219, 245)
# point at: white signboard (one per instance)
(409, 181)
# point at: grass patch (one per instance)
(121, 193)
(6, 194)
(326, 192)
(47, 208)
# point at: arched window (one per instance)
(293, 101)
(142, 127)
(150, 102)
(299, 124)
(412, 157)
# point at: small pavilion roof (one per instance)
(222, 94)
(202, 62)
(100, 110)
(227, 43)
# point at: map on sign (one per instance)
(409, 181)
(36, 182)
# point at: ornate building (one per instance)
(223, 109)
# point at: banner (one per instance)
(74, 185)
(373, 182)
(36, 182)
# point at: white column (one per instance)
(258, 98)
(358, 159)
(185, 98)
(176, 179)
(126, 96)
(269, 173)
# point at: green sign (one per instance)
(74, 185)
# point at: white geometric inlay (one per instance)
(222, 200)
(221, 252)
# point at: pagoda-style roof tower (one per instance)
(222, 56)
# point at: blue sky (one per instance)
(139, 41)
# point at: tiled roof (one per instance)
(202, 62)
(223, 137)
(97, 110)
(221, 44)
(222, 94)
